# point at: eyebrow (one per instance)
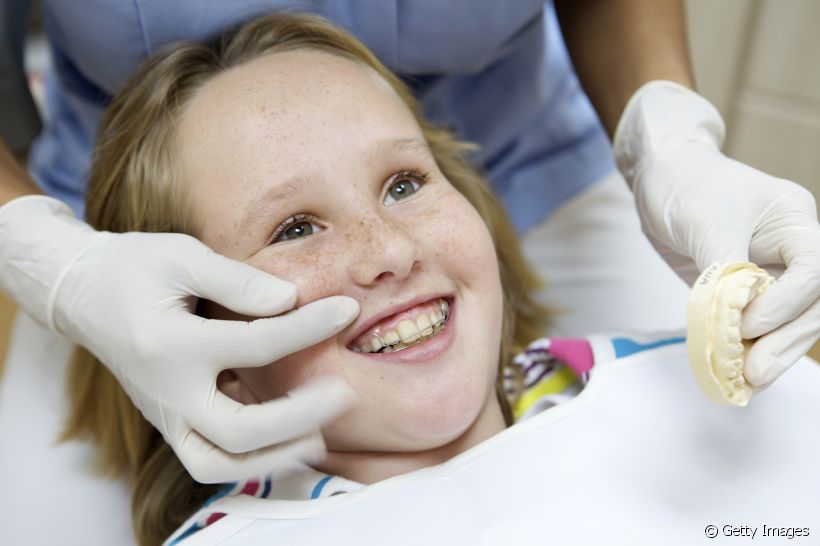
(411, 144)
(262, 203)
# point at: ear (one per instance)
(229, 382)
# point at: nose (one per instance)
(385, 249)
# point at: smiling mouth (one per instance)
(407, 333)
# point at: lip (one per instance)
(392, 310)
(426, 351)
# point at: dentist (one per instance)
(497, 74)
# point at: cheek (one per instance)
(470, 257)
(284, 375)
(315, 274)
(460, 241)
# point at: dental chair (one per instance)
(49, 493)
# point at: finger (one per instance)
(234, 343)
(796, 289)
(238, 286)
(240, 428)
(777, 351)
(207, 463)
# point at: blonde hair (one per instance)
(133, 188)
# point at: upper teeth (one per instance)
(407, 332)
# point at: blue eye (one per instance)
(405, 184)
(298, 230)
(295, 227)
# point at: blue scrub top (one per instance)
(494, 71)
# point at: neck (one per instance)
(371, 467)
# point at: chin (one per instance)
(445, 422)
(421, 426)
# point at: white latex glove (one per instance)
(698, 206)
(130, 298)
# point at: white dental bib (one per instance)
(639, 457)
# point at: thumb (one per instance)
(238, 286)
(777, 351)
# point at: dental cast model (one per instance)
(713, 314)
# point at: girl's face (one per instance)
(308, 166)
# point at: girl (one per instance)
(288, 146)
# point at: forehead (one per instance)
(289, 97)
(280, 116)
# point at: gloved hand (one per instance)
(698, 207)
(130, 298)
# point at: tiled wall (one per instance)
(759, 62)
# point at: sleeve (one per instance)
(19, 120)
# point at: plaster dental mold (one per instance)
(713, 315)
